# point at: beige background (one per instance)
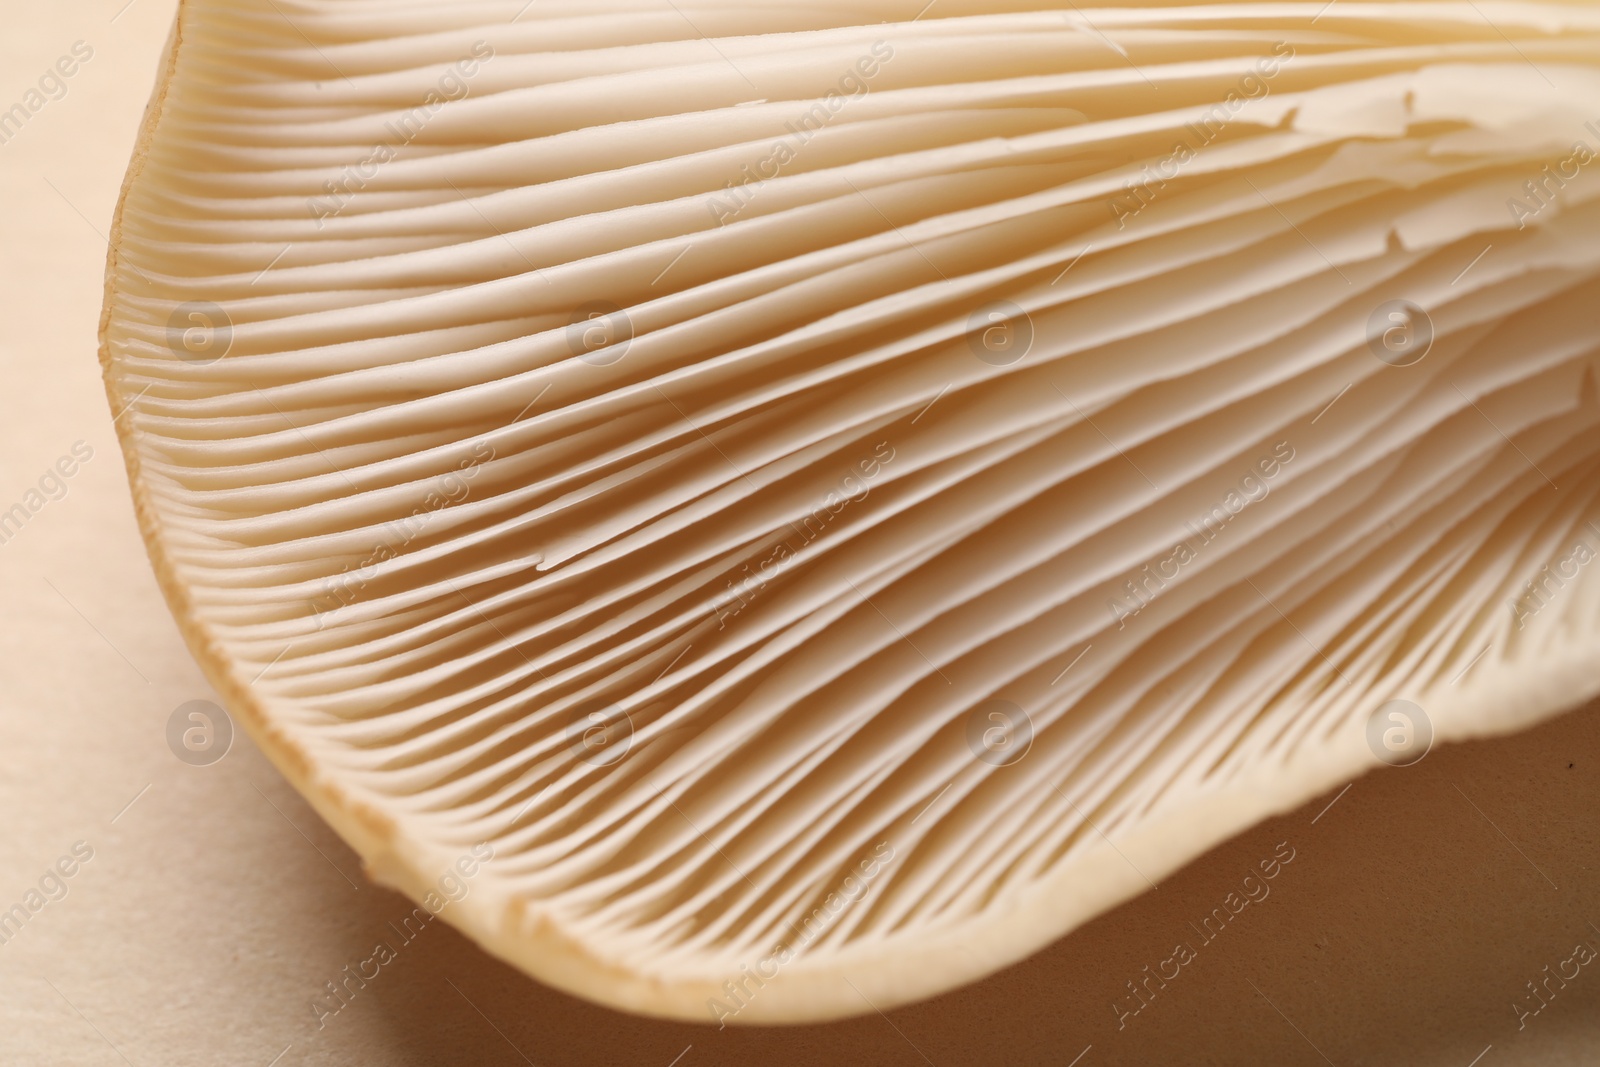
(217, 904)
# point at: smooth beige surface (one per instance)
(217, 904)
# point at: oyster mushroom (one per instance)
(832, 497)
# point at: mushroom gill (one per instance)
(837, 495)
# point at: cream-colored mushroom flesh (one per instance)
(834, 496)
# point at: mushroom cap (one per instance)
(832, 497)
